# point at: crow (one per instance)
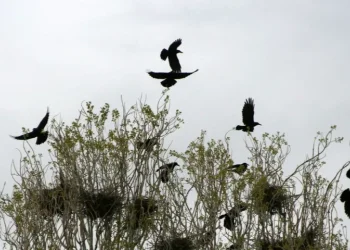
(345, 197)
(171, 54)
(248, 116)
(229, 221)
(239, 168)
(165, 170)
(169, 77)
(38, 132)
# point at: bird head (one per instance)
(245, 164)
(178, 51)
(256, 124)
(176, 164)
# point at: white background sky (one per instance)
(292, 57)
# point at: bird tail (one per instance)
(167, 83)
(164, 54)
(240, 127)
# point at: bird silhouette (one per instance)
(171, 54)
(345, 197)
(239, 168)
(229, 221)
(165, 170)
(348, 173)
(169, 77)
(37, 132)
(248, 116)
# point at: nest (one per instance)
(147, 144)
(50, 201)
(141, 210)
(175, 244)
(101, 204)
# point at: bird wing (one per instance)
(175, 45)
(174, 63)
(248, 112)
(172, 75)
(158, 75)
(27, 136)
(44, 121)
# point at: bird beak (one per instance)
(180, 51)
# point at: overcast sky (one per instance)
(292, 57)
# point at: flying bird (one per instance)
(345, 197)
(171, 54)
(38, 132)
(229, 221)
(169, 77)
(165, 170)
(239, 168)
(248, 116)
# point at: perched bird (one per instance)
(248, 116)
(38, 132)
(171, 54)
(345, 197)
(229, 221)
(147, 144)
(239, 168)
(169, 77)
(165, 170)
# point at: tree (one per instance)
(100, 189)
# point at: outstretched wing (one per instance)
(44, 121)
(174, 63)
(158, 75)
(172, 75)
(248, 112)
(173, 47)
(27, 136)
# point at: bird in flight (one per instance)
(165, 170)
(169, 77)
(239, 168)
(38, 132)
(248, 116)
(171, 54)
(229, 221)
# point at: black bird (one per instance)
(169, 77)
(171, 54)
(345, 197)
(248, 116)
(348, 173)
(229, 221)
(239, 168)
(38, 132)
(165, 170)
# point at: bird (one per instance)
(37, 132)
(248, 116)
(239, 168)
(348, 173)
(345, 197)
(171, 54)
(229, 221)
(165, 170)
(169, 77)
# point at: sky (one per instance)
(291, 56)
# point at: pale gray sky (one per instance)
(292, 57)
